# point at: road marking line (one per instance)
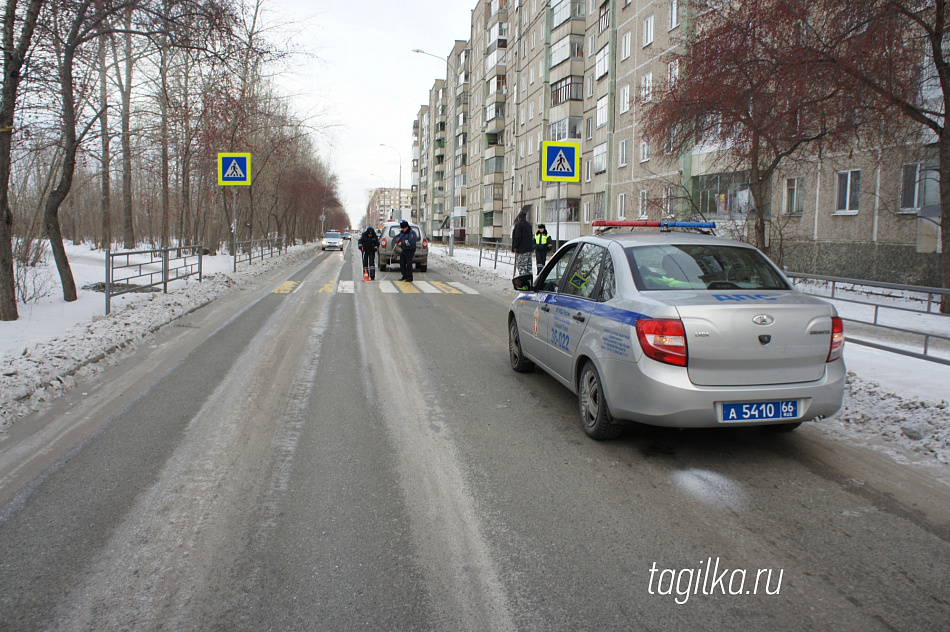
(328, 287)
(299, 285)
(405, 287)
(346, 287)
(427, 287)
(445, 287)
(463, 287)
(387, 287)
(285, 288)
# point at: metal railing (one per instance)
(135, 270)
(883, 297)
(496, 251)
(247, 251)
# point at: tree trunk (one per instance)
(14, 54)
(945, 219)
(125, 88)
(105, 204)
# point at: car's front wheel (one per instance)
(518, 362)
(595, 415)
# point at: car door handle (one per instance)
(579, 317)
(545, 308)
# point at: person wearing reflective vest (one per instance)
(542, 246)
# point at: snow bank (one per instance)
(36, 373)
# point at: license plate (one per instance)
(760, 411)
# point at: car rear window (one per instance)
(702, 267)
(331, 233)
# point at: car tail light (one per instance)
(837, 339)
(425, 244)
(664, 340)
(383, 243)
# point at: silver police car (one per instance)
(677, 329)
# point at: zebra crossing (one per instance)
(400, 287)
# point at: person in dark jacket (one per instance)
(522, 244)
(542, 246)
(406, 240)
(369, 244)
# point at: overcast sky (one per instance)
(362, 82)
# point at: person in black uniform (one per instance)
(407, 241)
(369, 244)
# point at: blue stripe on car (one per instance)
(601, 310)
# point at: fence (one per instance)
(247, 251)
(495, 251)
(880, 297)
(152, 268)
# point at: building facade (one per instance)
(583, 70)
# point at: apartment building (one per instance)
(585, 70)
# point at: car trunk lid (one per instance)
(771, 337)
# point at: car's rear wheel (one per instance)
(518, 362)
(422, 267)
(595, 415)
(382, 266)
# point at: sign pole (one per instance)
(234, 227)
(557, 214)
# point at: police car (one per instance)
(678, 329)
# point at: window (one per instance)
(585, 271)
(849, 191)
(673, 73)
(602, 103)
(624, 99)
(794, 204)
(565, 129)
(590, 128)
(625, 46)
(674, 13)
(622, 206)
(622, 153)
(567, 89)
(604, 17)
(644, 150)
(600, 158)
(590, 85)
(603, 62)
(669, 201)
(587, 171)
(609, 289)
(648, 31)
(531, 111)
(495, 164)
(644, 203)
(646, 87)
(920, 186)
(558, 267)
(587, 212)
(570, 47)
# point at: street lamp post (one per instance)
(452, 145)
(399, 192)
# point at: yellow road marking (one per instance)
(445, 287)
(405, 287)
(329, 287)
(285, 288)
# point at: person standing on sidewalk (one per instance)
(406, 240)
(542, 246)
(522, 244)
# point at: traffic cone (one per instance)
(365, 274)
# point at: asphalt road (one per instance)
(320, 453)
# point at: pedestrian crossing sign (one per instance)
(234, 169)
(560, 161)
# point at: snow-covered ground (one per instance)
(892, 403)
